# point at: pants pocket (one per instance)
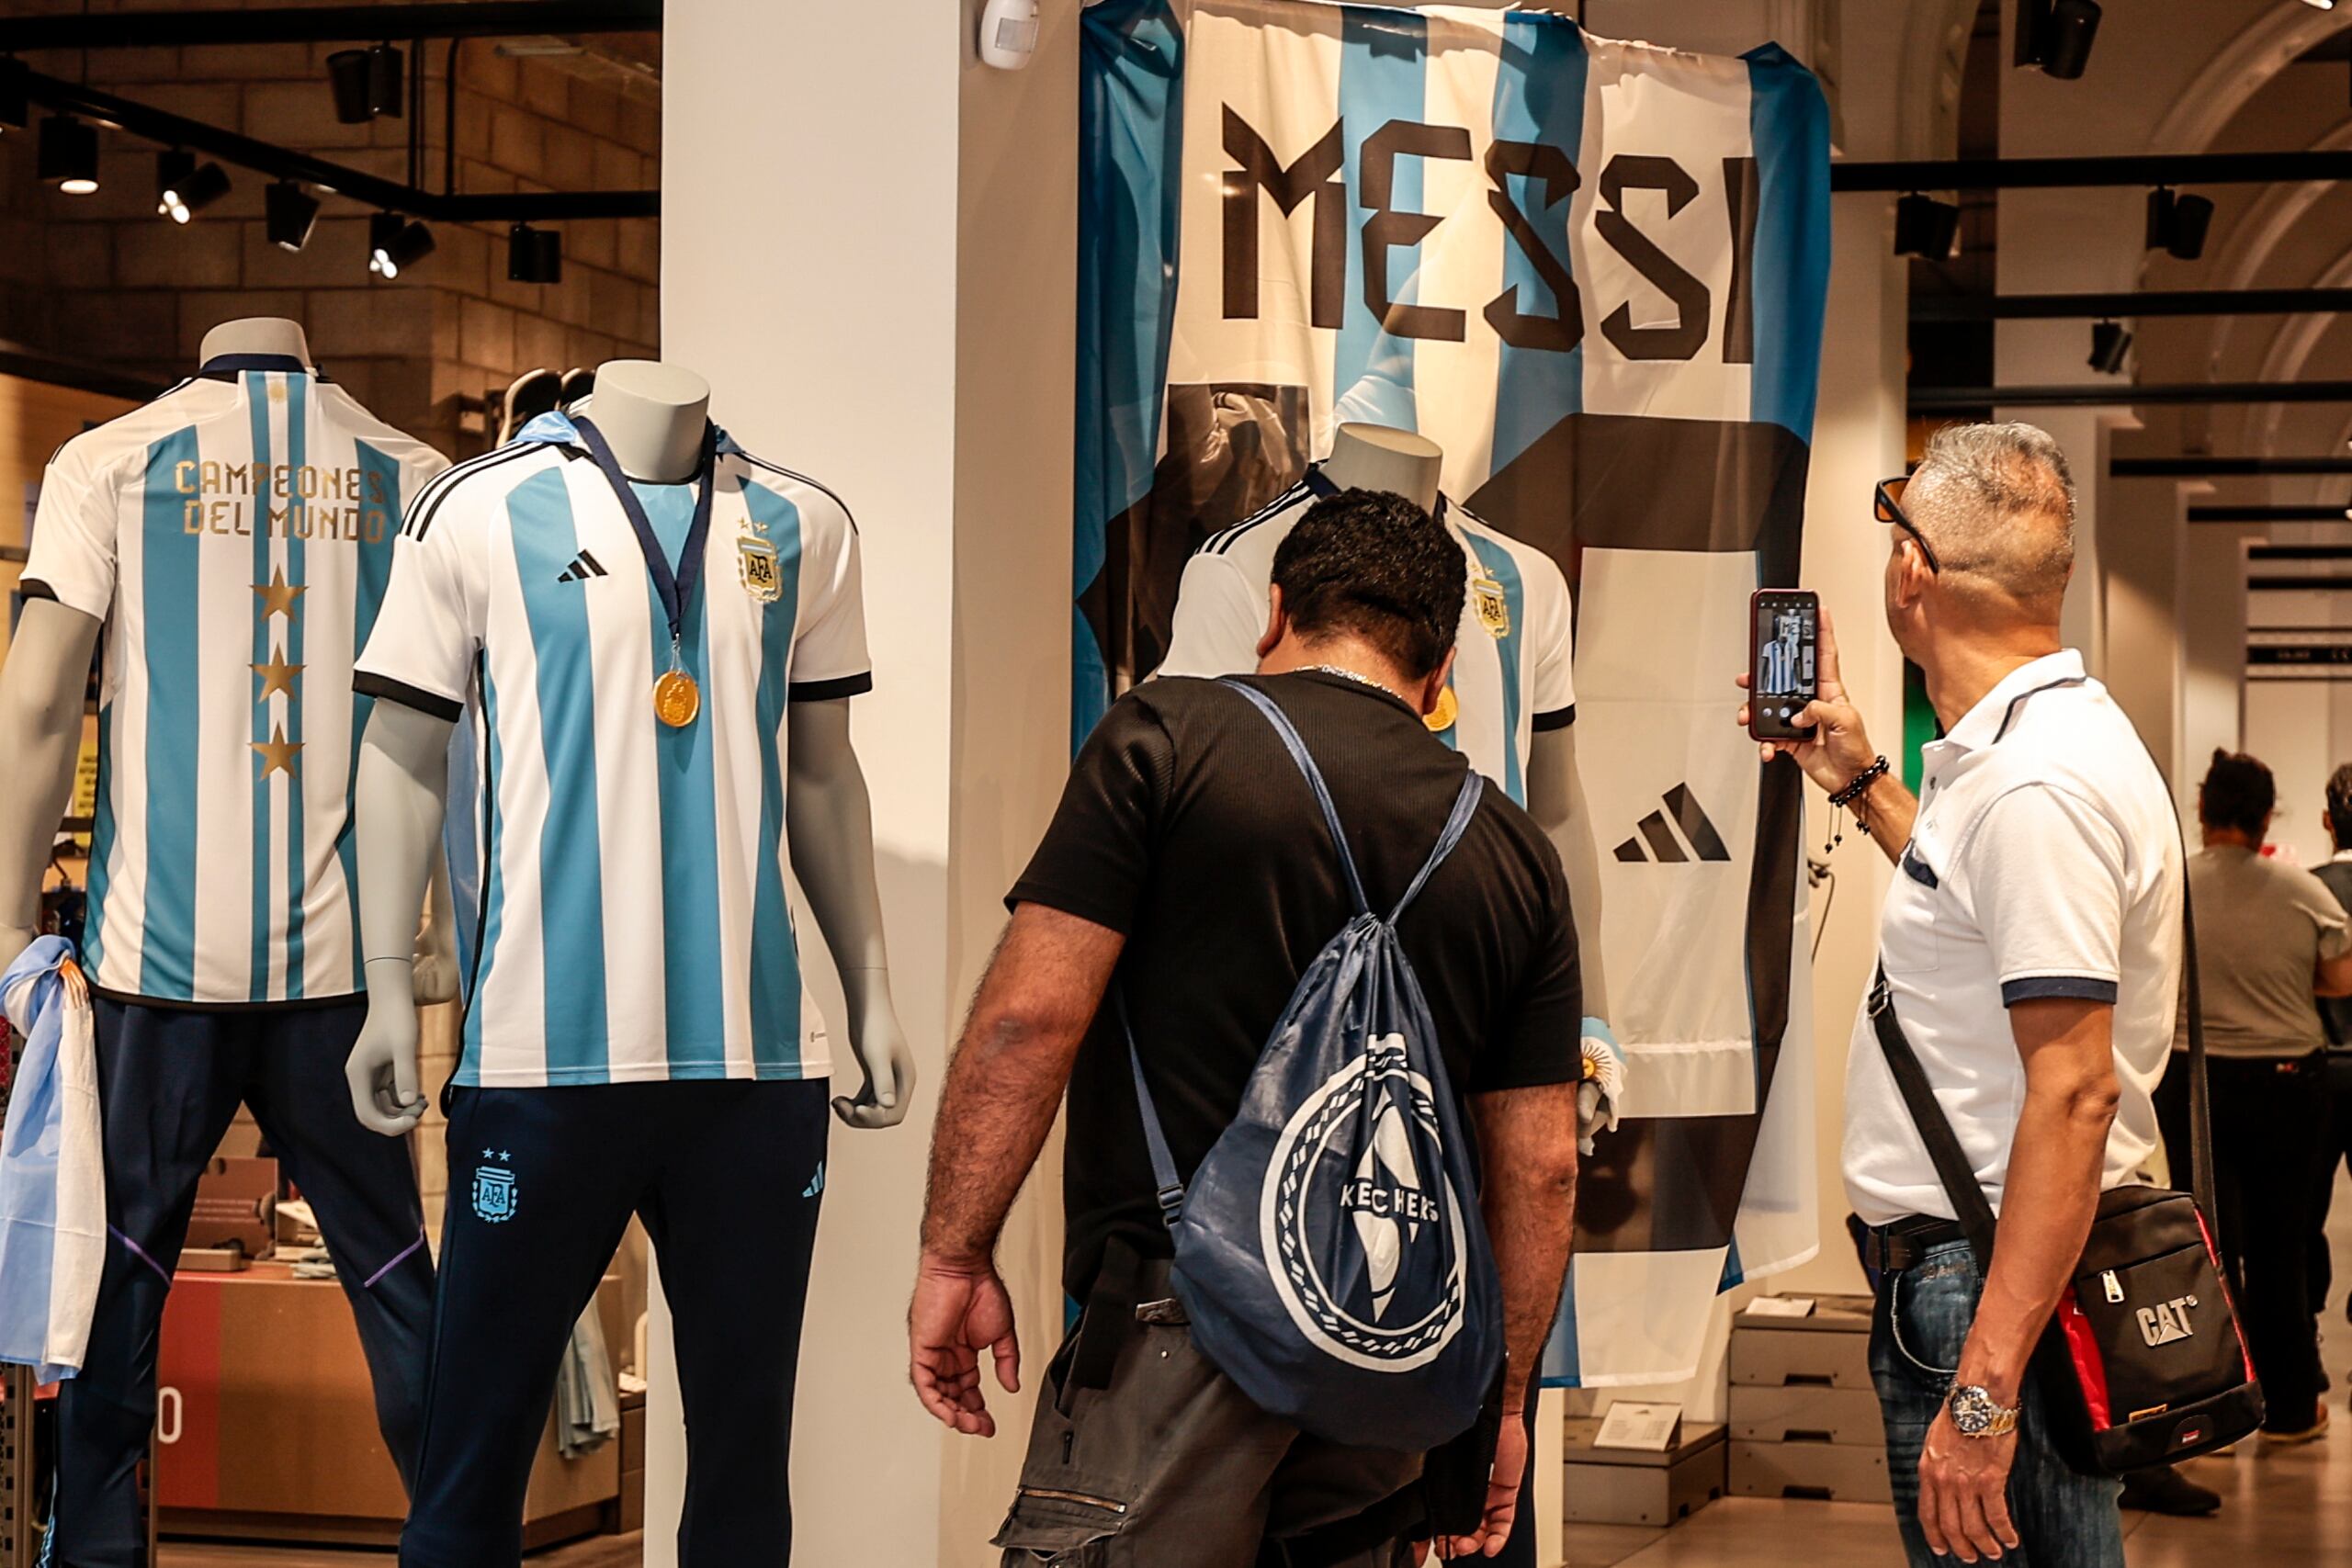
(1929, 1309)
(1063, 1529)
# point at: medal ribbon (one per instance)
(674, 588)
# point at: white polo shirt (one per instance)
(2046, 862)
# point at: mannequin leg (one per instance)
(167, 1091)
(363, 1189)
(734, 1223)
(541, 1184)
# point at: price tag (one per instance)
(1631, 1424)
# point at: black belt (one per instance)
(1890, 1249)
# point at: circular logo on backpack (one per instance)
(1386, 1196)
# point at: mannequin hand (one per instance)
(1839, 750)
(888, 1064)
(381, 1070)
(1603, 1085)
(14, 939)
(436, 964)
(959, 1310)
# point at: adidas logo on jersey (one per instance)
(583, 567)
(1656, 840)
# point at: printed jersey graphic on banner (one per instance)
(1594, 274)
(627, 878)
(1511, 655)
(234, 536)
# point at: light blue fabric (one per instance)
(52, 1175)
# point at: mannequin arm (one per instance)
(397, 811)
(41, 734)
(829, 821)
(1556, 799)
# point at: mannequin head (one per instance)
(1370, 583)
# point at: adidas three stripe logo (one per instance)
(583, 567)
(1656, 840)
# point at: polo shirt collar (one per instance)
(1986, 722)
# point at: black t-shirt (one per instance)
(1187, 827)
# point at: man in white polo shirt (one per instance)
(2032, 947)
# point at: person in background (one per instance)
(2032, 951)
(2335, 1017)
(2270, 938)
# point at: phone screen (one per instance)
(1787, 643)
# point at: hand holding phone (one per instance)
(1783, 664)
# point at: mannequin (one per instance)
(1372, 457)
(631, 1044)
(220, 945)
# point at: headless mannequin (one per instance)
(42, 692)
(654, 415)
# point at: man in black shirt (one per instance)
(1188, 859)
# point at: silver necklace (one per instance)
(1360, 678)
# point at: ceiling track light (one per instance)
(175, 166)
(2176, 223)
(288, 213)
(394, 243)
(2111, 342)
(366, 83)
(16, 92)
(68, 154)
(534, 255)
(1925, 228)
(2056, 35)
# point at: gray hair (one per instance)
(1997, 503)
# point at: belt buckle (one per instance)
(1882, 997)
(1166, 1313)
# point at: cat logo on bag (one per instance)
(2166, 1323)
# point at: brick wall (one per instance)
(103, 278)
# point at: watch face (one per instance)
(1971, 1411)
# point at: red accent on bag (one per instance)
(2222, 1275)
(2090, 1368)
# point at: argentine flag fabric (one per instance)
(52, 1167)
(1594, 273)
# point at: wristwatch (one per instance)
(1975, 1414)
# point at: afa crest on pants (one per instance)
(494, 1193)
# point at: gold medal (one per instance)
(1448, 710)
(676, 699)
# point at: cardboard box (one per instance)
(1806, 1413)
(1627, 1486)
(267, 1421)
(1841, 1472)
(1829, 1347)
(236, 1205)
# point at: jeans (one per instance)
(2064, 1519)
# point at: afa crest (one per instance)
(761, 579)
(494, 1193)
(1493, 605)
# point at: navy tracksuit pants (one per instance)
(728, 1177)
(169, 1083)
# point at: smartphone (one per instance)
(1785, 647)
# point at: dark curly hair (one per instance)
(2339, 806)
(2238, 793)
(1372, 564)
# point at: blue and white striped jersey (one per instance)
(234, 536)
(633, 923)
(1512, 669)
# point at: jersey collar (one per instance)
(227, 366)
(1321, 484)
(556, 428)
(1996, 710)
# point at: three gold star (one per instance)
(277, 754)
(276, 598)
(277, 675)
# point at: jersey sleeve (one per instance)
(72, 558)
(829, 654)
(2045, 874)
(1550, 646)
(430, 625)
(1220, 616)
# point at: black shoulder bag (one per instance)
(2144, 1362)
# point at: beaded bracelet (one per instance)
(1862, 784)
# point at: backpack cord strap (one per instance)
(1466, 807)
(1171, 1186)
(1298, 747)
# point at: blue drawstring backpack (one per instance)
(1329, 1251)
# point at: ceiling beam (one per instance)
(2145, 169)
(325, 24)
(2270, 515)
(2173, 302)
(2125, 394)
(2222, 468)
(266, 157)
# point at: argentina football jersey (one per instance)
(234, 536)
(632, 923)
(1511, 670)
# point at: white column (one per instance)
(868, 246)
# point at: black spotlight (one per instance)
(2178, 223)
(366, 83)
(174, 168)
(394, 244)
(1926, 227)
(2056, 35)
(68, 157)
(199, 190)
(2109, 344)
(16, 92)
(288, 213)
(534, 255)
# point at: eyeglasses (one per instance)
(1890, 510)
